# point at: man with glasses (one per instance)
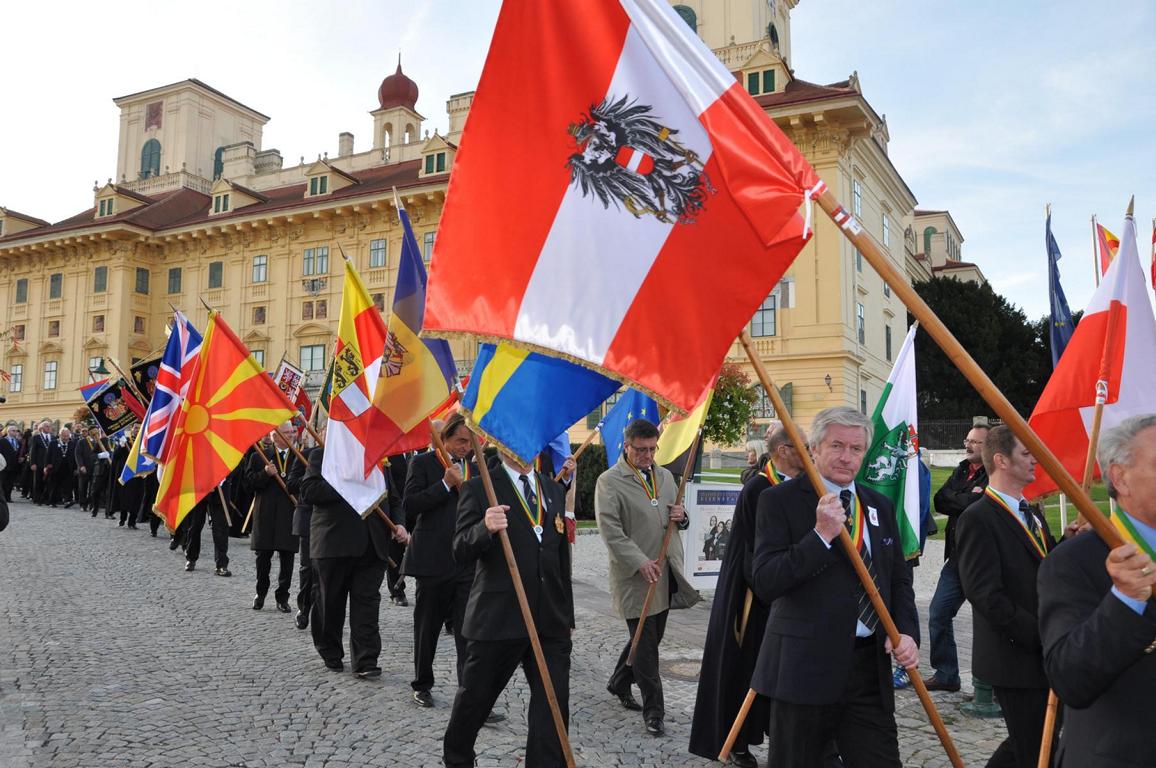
(965, 486)
(634, 502)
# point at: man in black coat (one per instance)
(1097, 618)
(38, 461)
(1000, 543)
(531, 509)
(213, 508)
(265, 474)
(348, 555)
(738, 619)
(443, 584)
(101, 467)
(965, 486)
(86, 450)
(61, 480)
(10, 451)
(823, 662)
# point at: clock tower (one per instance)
(721, 23)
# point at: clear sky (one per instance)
(995, 108)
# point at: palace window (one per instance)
(428, 240)
(218, 163)
(100, 280)
(260, 268)
(98, 323)
(763, 323)
(928, 233)
(886, 230)
(435, 163)
(379, 301)
(55, 285)
(216, 274)
(53, 329)
(886, 289)
(316, 261)
(50, 374)
(17, 382)
(887, 341)
(142, 280)
(863, 402)
(321, 309)
(762, 82)
(688, 15)
(259, 315)
(313, 357)
(138, 324)
(856, 197)
(94, 363)
(18, 332)
(376, 253)
(105, 207)
(174, 279)
(861, 323)
(307, 310)
(221, 203)
(764, 408)
(858, 260)
(259, 356)
(150, 159)
(22, 291)
(318, 185)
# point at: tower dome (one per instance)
(397, 90)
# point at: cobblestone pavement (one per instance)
(112, 656)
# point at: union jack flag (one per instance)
(176, 371)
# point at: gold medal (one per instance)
(559, 526)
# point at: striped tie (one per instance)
(1030, 521)
(867, 613)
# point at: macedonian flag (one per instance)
(231, 403)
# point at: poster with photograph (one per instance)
(709, 506)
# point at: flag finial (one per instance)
(1131, 206)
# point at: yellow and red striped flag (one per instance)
(230, 404)
(1109, 245)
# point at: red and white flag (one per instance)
(633, 215)
(1111, 352)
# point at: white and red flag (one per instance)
(1111, 353)
(657, 204)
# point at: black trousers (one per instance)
(99, 490)
(356, 580)
(1024, 710)
(9, 480)
(284, 573)
(645, 670)
(305, 577)
(394, 581)
(488, 668)
(192, 538)
(40, 487)
(60, 486)
(437, 600)
(83, 487)
(864, 732)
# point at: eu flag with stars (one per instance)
(630, 406)
(1062, 326)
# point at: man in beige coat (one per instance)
(633, 502)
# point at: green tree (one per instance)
(1009, 348)
(730, 410)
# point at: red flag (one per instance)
(656, 192)
(1110, 353)
(1109, 246)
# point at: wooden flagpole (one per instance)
(852, 555)
(969, 368)
(666, 537)
(276, 476)
(1095, 251)
(524, 605)
(585, 444)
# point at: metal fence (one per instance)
(945, 434)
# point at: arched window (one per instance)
(927, 234)
(150, 159)
(218, 163)
(688, 15)
(774, 35)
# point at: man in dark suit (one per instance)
(86, 450)
(1000, 543)
(443, 584)
(189, 532)
(62, 477)
(1097, 618)
(348, 555)
(265, 474)
(737, 621)
(965, 485)
(10, 450)
(531, 509)
(823, 663)
(38, 458)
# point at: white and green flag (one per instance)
(892, 463)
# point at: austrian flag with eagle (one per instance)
(632, 215)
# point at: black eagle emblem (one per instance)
(627, 158)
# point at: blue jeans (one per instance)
(944, 605)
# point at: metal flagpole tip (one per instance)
(1131, 207)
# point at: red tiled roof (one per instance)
(955, 265)
(798, 91)
(26, 217)
(921, 212)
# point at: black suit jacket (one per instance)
(272, 509)
(1099, 658)
(40, 449)
(809, 641)
(997, 567)
(956, 495)
(335, 530)
(303, 512)
(431, 514)
(62, 459)
(11, 454)
(492, 611)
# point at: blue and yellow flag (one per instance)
(630, 406)
(522, 400)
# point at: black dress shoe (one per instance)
(494, 717)
(935, 684)
(334, 666)
(302, 620)
(258, 602)
(368, 673)
(173, 544)
(223, 572)
(744, 759)
(626, 698)
(69, 504)
(655, 727)
(190, 565)
(422, 698)
(399, 600)
(283, 607)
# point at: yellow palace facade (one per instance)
(198, 209)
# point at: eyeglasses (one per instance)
(973, 442)
(646, 449)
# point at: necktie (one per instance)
(1030, 522)
(867, 614)
(528, 492)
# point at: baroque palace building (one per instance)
(198, 209)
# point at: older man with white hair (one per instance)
(1097, 619)
(823, 663)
